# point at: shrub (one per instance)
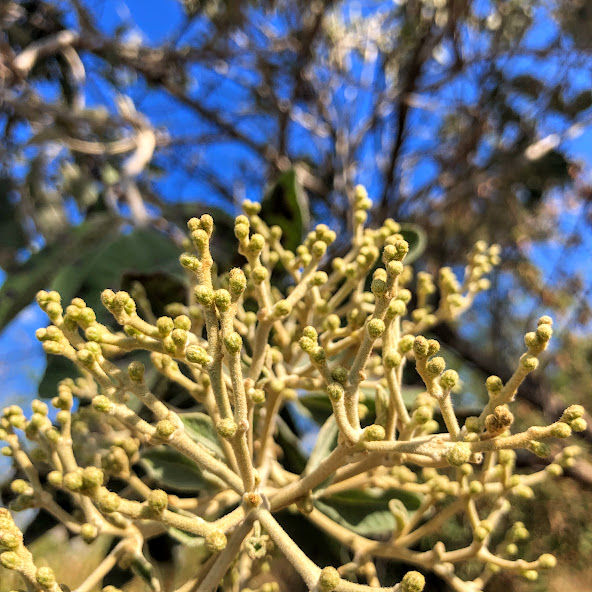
(281, 334)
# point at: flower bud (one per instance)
(204, 295)
(560, 430)
(335, 391)
(10, 560)
(328, 579)
(102, 404)
(165, 428)
(494, 384)
(88, 532)
(413, 581)
(282, 309)
(226, 427)
(420, 347)
(578, 425)
(375, 328)
(435, 366)
(136, 371)
(45, 577)
(339, 374)
(528, 362)
(197, 355)
(573, 412)
(158, 501)
(374, 433)
(107, 501)
(215, 541)
(459, 454)
(233, 342)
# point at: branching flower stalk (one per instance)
(249, 346)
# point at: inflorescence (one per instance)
(242, 347)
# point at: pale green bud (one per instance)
(528, 362)
(374, 433)
(406, 343)
(547, 561)
(572, 412)
(102, 404)
(578, 425)
(10, 560)
(335, 391)
(435, 366)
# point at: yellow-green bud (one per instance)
(136, 371)
(204, 295)
(459, 454)
(197, 355)
(158, 501)
(318, 355)
(55, 478)
(165, 428)
(531, 575)
(306, 344)
(102, 404)
(547, 561)
(573, 412)
(328, 579)
(378, 287)
(165, 325)
(237, 282)
(375, 328)
(544, 332)
(561, 430)
(88, 532)
(339, 374)
(256, 243)
(449, 379)
(374, 433)
(92, 477)
(259, 274)
(319, 278)
(45, 577)
(189, 261)
(392, 360)
(420, 347)
(222, 299)
(233, 342)
(73, 481)
(335, 391)
(413, 581)
(578, 425)
(226, 427)
(241, 231)
(435, 366)
(282, 309)
(475, 487)
(257, 396)
(9, 541)
(310, 332)
(10, 560)
(107, 501)
(541, 449)
(528, 362)
(494, 384)
(215, 541)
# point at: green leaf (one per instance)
(38, 272)
(286, 204)
(173, 470)
(142, 251)
(366, 512)
(416, 237)
(200, 428)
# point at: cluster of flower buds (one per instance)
(247, 349)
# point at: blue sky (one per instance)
(22, 358)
